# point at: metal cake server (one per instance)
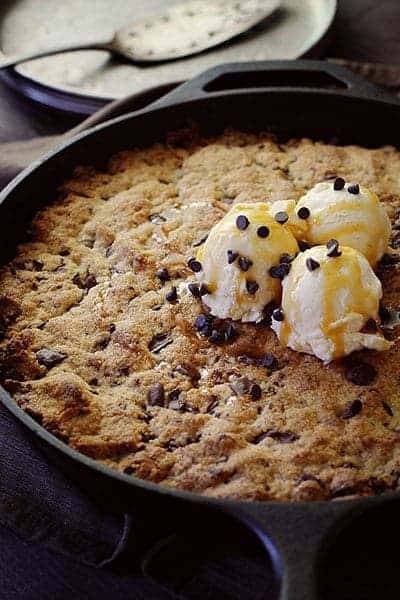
(182, 30)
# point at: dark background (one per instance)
(223, 562)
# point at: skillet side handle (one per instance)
(296, 536)
(275, 75)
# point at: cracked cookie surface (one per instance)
(97, 348)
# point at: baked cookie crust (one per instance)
(93, 350)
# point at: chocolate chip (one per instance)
(312, 264)
(159, 342)
(263, 231)
(269, 361)
(278, 314)
(232, 256)
(64, 252)
(194, 289)
(94, 381)
(338, 184)
(351, 410)
(37, 265)
(230, 332)
(111, 328)
(204, 325)
(285, 437)
(157, 219)
(281, 217)
(303, 212)
(216, 337)
(86, 283)
(245, 263)
(333, 248)
(163, 275)
(387, 408)
(255, 391)
(285, 258)
(252, 287)
(194, 265)
(280, 271)
(371, 326)
(242, 222)
(354, 188)
(204, 290)
(361, 373)
(200, 242)
(240, 386)
(190, 371)
(303, 246)
(384, 314)
(49, 358)
(156, 395)
(172, 295)
(102, 343)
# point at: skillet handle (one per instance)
(296, 535)
(275, 76)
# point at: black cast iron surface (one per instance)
(292, 99)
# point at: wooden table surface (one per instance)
(366, 30)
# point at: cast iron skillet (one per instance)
(314, 99)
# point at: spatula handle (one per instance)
(10, 61)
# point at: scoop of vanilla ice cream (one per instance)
(327, 302)
(355, 219)
(236, 259)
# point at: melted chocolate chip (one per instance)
(303, 212)
(354, 188)
(281, 217)
(37, 265)
(333, 248)
(242, 222)
(172, 295)
(387, 408)
(156, 395)
(384, 314)
(194, 265)
(252, 287)
(49, 358)
(352, 409)
(245, 263)
(263, 231)
(194, 289)
(255, 391)
(163, 275)
(361, 373)
(159, 342)
(86, 283)
(339, 183)
(269, 361)
(312, 264)
(284, 437)
(232, 256)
